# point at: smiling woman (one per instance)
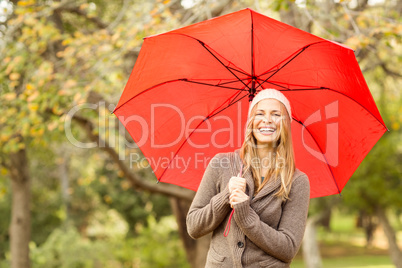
(267, 121)
(270, 198)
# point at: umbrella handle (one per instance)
(225, 234)
(241, 170)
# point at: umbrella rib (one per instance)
(287, 89)
(227, 68)
(233, 81)
(205, 119)
(325, 158)
(333, 90)
(302, 50)
(291, 59)
(230, 104)
(166, 82)
(218, 85)
(276, 85)
(325, 88)
(252, 46)
(145, 90)
(293, 89)
(203, 44)
(239, 71)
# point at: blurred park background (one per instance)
(71, 197)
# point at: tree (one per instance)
(370, 29)
(375, 186)
(48, 69)
(67, 61)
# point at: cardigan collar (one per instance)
(271, 185)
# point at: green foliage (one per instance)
(367, 261)
(54, 53)
(46, 195)
(377, 182)
(156, 246)
(135, 206)
(159, 246)
(61, 245)
(94, 189)
(5, 212)
(47, 201)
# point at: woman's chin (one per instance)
(265, 139)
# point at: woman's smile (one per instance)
(267, 121)
(267, 131)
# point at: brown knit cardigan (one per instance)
(264, 231)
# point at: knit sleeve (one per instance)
(210, 205)
(284, 242)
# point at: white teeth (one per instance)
(266, 129)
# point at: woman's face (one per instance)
(267, 120)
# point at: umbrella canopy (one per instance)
(187, 98)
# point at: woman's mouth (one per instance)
(266, 130)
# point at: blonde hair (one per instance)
(283, 151)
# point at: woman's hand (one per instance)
(237, 196)
(237, 183)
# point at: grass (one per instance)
(351, 262)
(344, 246)
(344, 255)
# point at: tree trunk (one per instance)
(311, 251)
(368, 223)
(196, 250)
(394, 250)
(64, 183)
(20, 229)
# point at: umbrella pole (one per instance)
(251, 90)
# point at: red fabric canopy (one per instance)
(188, 95)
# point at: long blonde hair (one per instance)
(283, 163)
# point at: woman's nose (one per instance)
(266, 119)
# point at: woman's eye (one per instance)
(259, 117)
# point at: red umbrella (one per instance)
(187, 98)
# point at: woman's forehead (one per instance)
(269, 105)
